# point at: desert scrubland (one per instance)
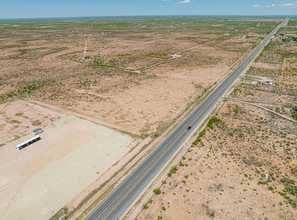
(129, 82)
(243, 165)
(140, 74)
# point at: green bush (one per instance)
(202, 133)
(294, 112)
(173, 169)
(157, 191)
(211, 122)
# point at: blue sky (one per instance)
(78, 8)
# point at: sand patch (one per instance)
(16, 119)
(43, 177)
(56, 152)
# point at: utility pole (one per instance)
(85, 49)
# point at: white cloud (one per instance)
(258, 6)
(270, 6)
(185, 1)
(286, 5)
(292, 5)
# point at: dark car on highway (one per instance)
(189, 127)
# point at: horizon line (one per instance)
(115, 16)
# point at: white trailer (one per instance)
(28, 142)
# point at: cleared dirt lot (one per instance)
(43, 177)
(19, 118)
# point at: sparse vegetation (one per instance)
(157, 191)
(240, 142)
(36, 123)
(145, 206)
(243, 143)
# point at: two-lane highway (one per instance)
(115, 204)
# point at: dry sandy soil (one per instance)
(223, 177)
(266, 66)
(107, 86)
(19, 118)
(128, 83)
(143, 102)
(43, 177)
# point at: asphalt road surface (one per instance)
(115, 204)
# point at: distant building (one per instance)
(37, 131)
(28, 142)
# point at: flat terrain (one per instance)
(140, 75)
(19, 119)
(142, 175)
(40, 179)
(223, 174)
(254, 133)
(130, 81)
